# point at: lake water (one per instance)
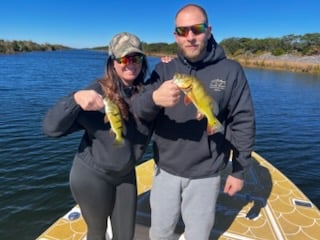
(34, 169)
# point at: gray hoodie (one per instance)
(181, 144)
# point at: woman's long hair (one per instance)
(110, 85)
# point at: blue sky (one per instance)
(90, 23)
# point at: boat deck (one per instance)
(270, 207)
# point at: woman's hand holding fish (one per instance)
(167, 95)
(89, 100)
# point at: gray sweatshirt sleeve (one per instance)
(60, 119)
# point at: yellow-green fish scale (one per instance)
(113, 115)
(198, 95)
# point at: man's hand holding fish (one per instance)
(167, 95)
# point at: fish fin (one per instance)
(187, 100)
(214, 127)
(106, 119)
(199, 116)
(112, 133)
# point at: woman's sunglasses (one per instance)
(195, 29)
(136, 59)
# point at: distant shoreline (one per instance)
(305, 64)
(286, 62)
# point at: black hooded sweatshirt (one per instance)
(181, 144)
(97, 149)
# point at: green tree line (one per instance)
(303, 45)
(306, 45)
(152, 48)
(7, 47)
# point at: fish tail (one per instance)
(214, 126)
(118, 141)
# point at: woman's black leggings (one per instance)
(100, 196)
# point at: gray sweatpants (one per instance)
(196, 198)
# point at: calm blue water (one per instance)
(34, 169)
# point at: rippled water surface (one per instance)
(34, 169)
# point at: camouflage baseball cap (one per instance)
(123, 44)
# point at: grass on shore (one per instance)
(280, 65)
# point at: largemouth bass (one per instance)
(113, 115)
(196, 93)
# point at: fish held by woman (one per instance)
(113, 115)
(196, 93)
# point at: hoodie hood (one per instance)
(214, 53)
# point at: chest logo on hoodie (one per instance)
(217, 85)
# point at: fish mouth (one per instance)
(182, 86)
(187, 88)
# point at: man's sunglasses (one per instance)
(195, 29)
(136, 59)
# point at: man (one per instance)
(189, 159)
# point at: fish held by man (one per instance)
(196, 93)
(113, 115)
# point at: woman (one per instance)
(102, 176)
